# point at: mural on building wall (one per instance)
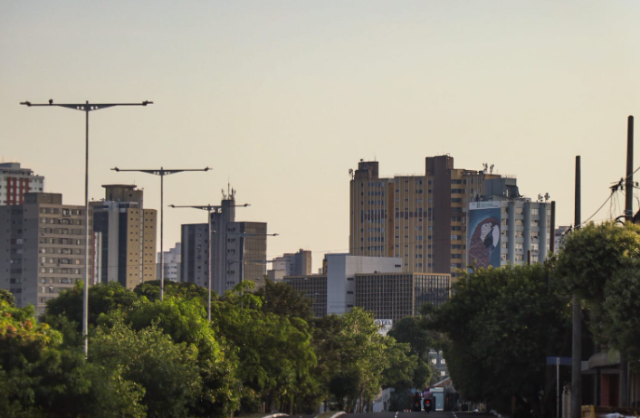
(484, 234)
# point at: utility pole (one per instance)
(161, 172)
(628, 216)
(576, 347)
(86, 108)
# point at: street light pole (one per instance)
(86, 108)
(210, 209)
(162, 172)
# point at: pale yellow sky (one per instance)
(283, 97)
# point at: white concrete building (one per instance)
(507, 228)
(172, 259)
(341, 272)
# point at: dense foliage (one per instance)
(501, 324)
(600, 263)
(262, 351)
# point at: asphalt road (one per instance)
(432, 414)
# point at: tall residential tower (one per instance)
(429, 221)
(128, 234)
(15, 182)
(42, 251)
(421, 219)
(238, 252)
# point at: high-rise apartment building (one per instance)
(172, 259)
(128, 234)
(42, 248)
(15, 182)
(506, 228)
(238, 251)
(291, 264)
(421, 219)
(194, 245)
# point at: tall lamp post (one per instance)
(86, 108)
(162, 172)
(210, 209)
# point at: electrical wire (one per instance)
(600, 208)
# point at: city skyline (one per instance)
(281, 99)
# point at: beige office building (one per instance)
(419, 218)
(128, 234)
(42, 248)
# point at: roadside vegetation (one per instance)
(262, 351)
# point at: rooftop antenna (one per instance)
(491, 168)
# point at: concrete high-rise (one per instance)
(421, 219)
(507, 228)
(128, 234)
(15, 182)
(194, 245)
(172, 260)
(238, 252)
(42, 249)
(291, 264)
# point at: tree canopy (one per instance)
(263, 350)
(501, 323)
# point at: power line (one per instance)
(600, 208)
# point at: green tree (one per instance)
(185, 321)
(363, 356)
(274, 352)
(500, 324)
(41, 377)
(178, 290)
(167, 371)
(589, 259)
(283, 300)
(104, 298)
(413, 330)
(621, 309)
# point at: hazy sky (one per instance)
(283, 97)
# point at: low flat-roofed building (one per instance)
(314, 287)
(398, 295)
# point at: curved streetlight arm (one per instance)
(162, 171)
(84, 107)
(209, 208)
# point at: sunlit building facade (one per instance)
(420, 218)
(42, 248)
